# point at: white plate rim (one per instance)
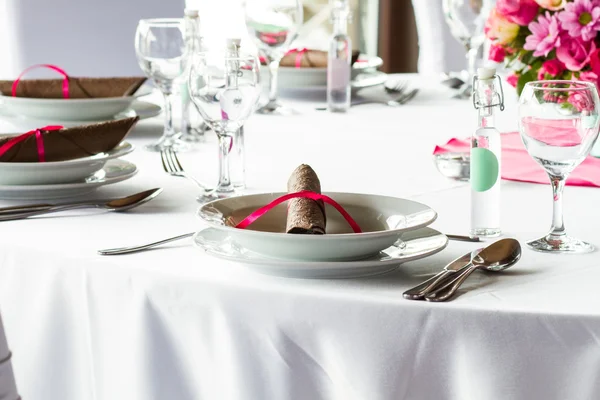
(121, 150)
(282, 264)
(372, 62)
(353, 236)
(77, 185)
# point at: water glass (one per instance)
(558, 121)
(163, 56)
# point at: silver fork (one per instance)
(173, 167)
(396, 87)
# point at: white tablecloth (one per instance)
(176, 323)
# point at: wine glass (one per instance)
(273, 25)
(466, 19)
(559, 121)
(225, 90)
(162, 54)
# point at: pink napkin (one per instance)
(517, 165)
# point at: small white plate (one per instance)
(383, 219)
(114, 171)
(138, 108)
(37, 173)
(414, 245)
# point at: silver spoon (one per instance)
(119, 205)
(496, 257)
(133, 249)
(419, 292)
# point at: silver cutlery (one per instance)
(395, 87)
(462, 238)
(496, 257)
(398, 101)
(134, 249)
(173, 167)
(118, 204)
(419, 292)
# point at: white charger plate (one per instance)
(290, 77)
(141, 109)
(383, 219)
(114, 171)
(36, 173)
(414, 245)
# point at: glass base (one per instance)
(485, 232)
(167, 143)
(207, 197)
(560, 244)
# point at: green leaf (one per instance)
(524, 78)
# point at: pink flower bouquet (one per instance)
(546, 39)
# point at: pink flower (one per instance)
(552, 68)
(589, 76)
(581, 18)
(581, 101)
(552, 5)
(500, 29)
(512, 80)
(575, 53)
(497, 53)
(520, 12)
(545, 35)
(595, 61)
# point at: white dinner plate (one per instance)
(290, 77)
(142, 109)
(114, 171)
(382, 219)
(413, 245)
(38, 173)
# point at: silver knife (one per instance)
(419, 291)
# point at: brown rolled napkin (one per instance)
(71, 143)
(311, 59)
(79, 88)
(305, 216)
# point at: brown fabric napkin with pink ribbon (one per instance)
(55, 143)
(306, 58)
(78, 88)
(517, 164)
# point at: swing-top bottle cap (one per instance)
(486, 73)
(190, 12)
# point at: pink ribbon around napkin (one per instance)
(517, 164)
(65, 87)
(38, 139)
(304, 194)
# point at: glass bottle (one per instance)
(486, 155)
(339, 59)
(237, 162)
(189, 133)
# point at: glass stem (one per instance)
(224, 176)
(471, 63)
(169, 130)
(273, 74)
(558, 226)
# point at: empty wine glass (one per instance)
(225, 91)
(162, 54)
(273, 25)
(559, 121)
(466, 19)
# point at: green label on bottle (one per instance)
(484, 169)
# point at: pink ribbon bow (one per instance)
(38, 138)
(65, 87)
(299, 54)
(303, 194)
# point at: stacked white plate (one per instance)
(394, 231)
(72, 112)
(61, 179)
(364, 74)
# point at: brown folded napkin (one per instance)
(71, 143)
(79, 88)
(305, 216)
(311, 59)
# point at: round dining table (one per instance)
(175, 323)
